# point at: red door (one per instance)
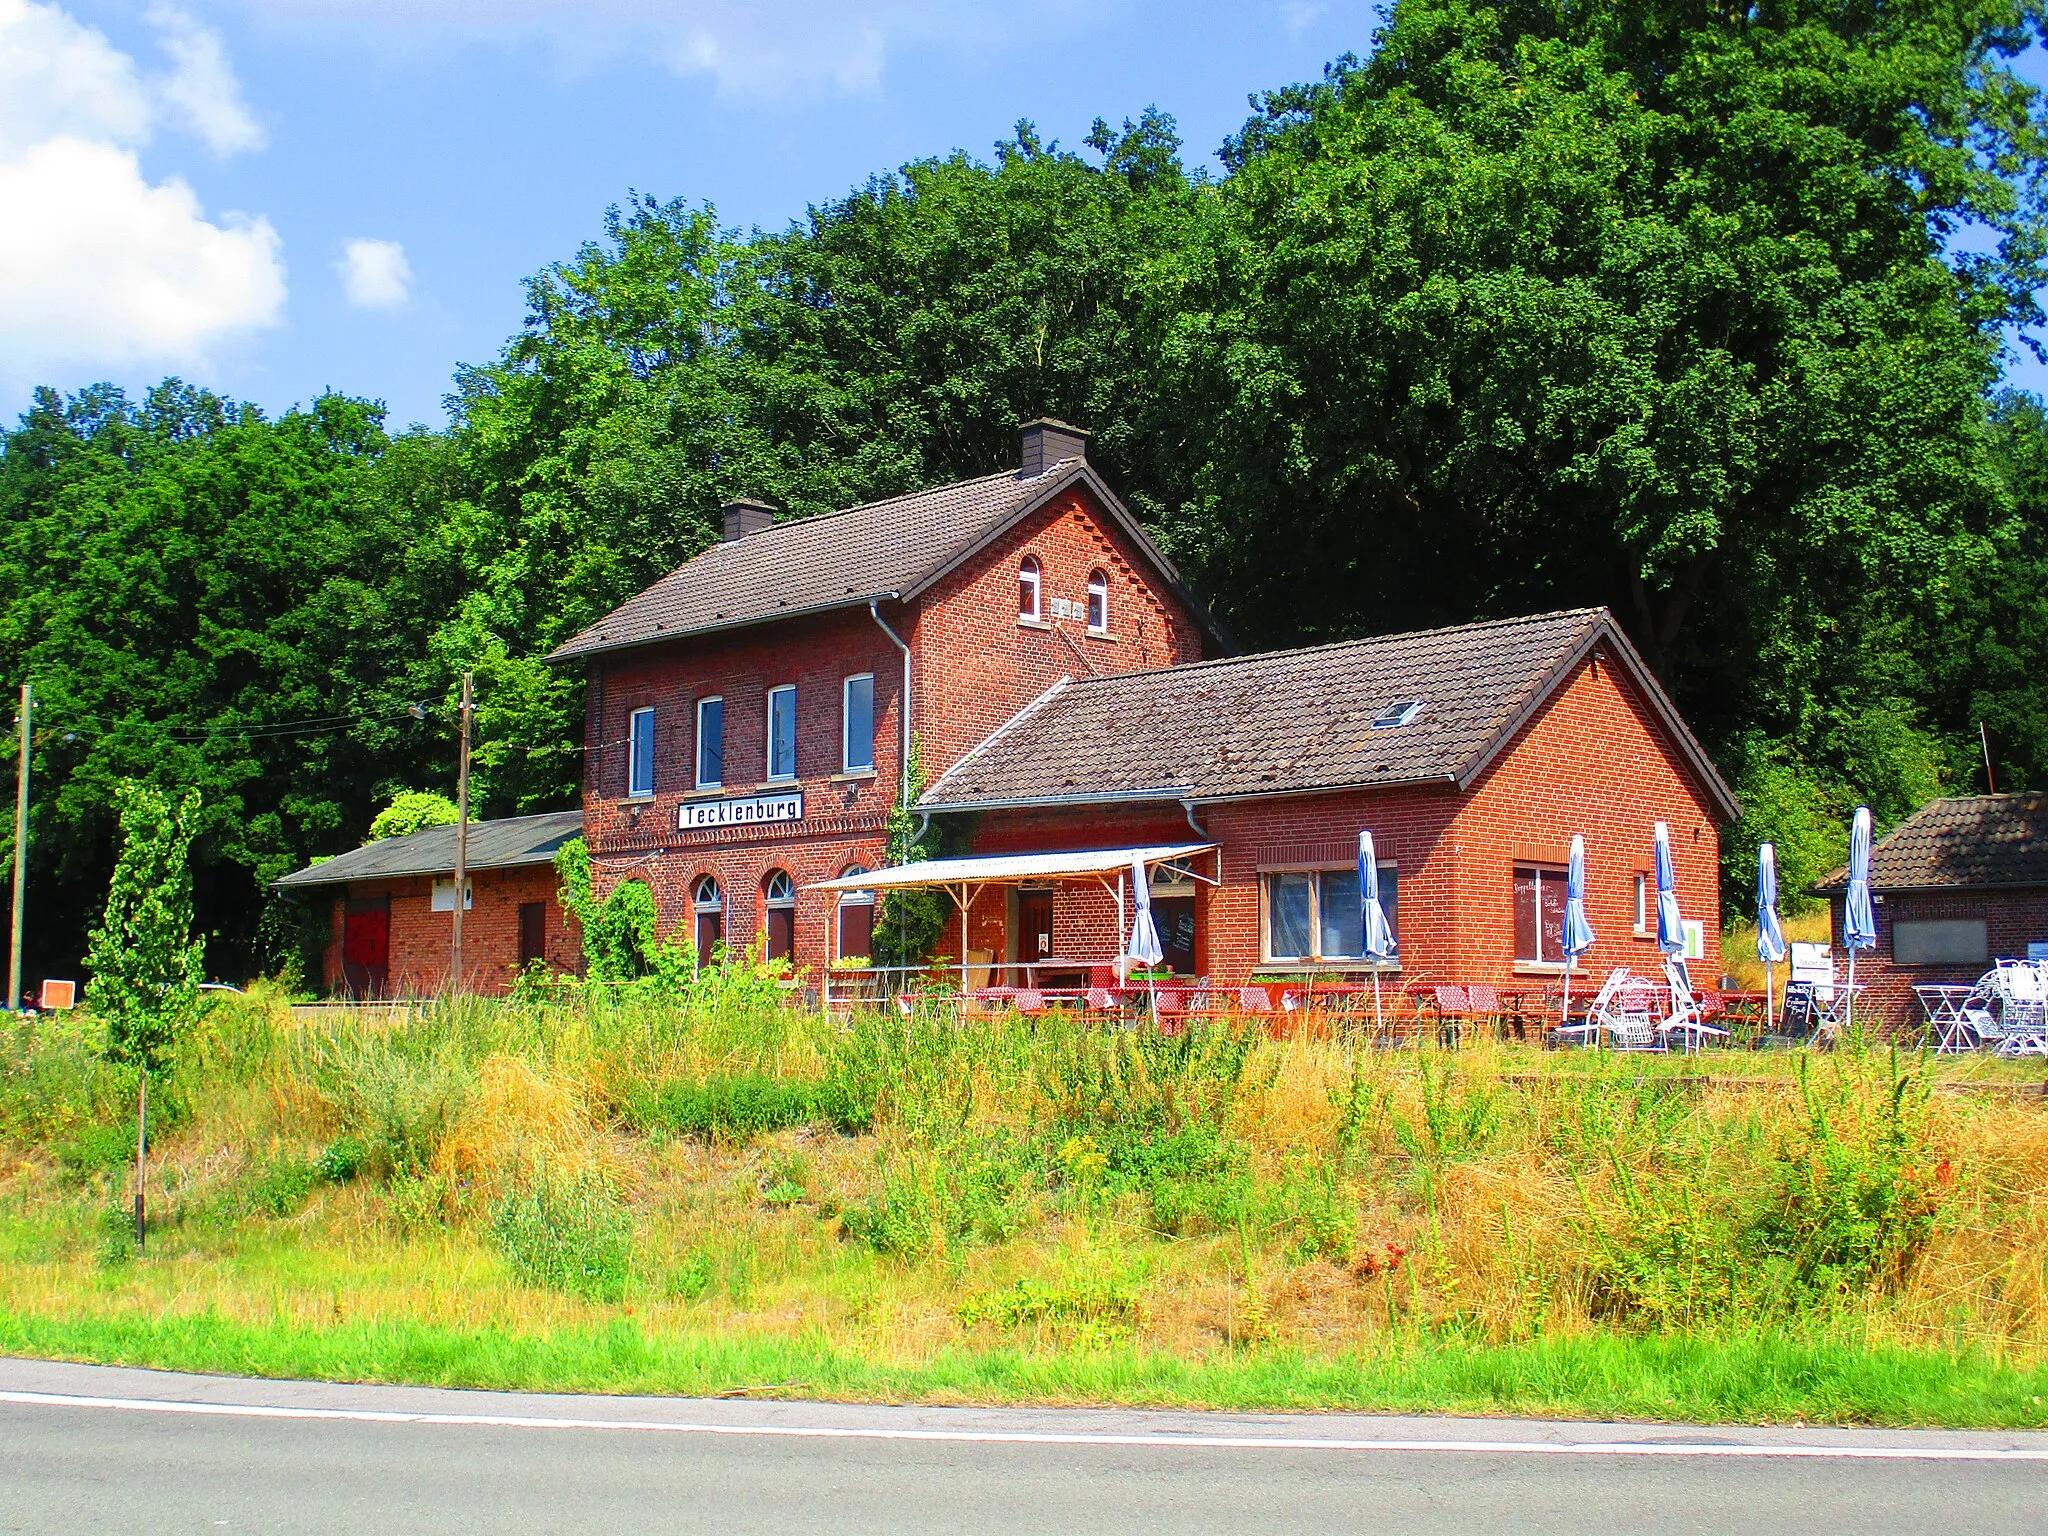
(366, 947)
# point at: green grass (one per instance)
(1704, 1380)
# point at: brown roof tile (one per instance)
(1295, 720)
(883, 549)
(1970, 840)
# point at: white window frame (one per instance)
(702, 782)
(634, 766)
(1031, 573)
(1098, 586)
(846, 762)
(1387, 867)
(768, 746)
(1642, 889)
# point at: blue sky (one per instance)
(271, 197)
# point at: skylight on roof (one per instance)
(1401, 712)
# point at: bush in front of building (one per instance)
(746, 1108)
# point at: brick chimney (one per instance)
(1046, 442)
(744, 517)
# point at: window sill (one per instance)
(1547, 968)
(854, 776)
(1647, 935)
(1024, 623)
(1324, 967)
(636, 800)
(704, 792)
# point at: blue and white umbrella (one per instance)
(1670, 926)
(1859, 919)
(1770, 933)
(1145, 947)
(1378, 938)
(1578, 933)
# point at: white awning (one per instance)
(1012, 868)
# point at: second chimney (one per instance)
(745, 517)
(1046, 442)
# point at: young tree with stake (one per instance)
(145, 964)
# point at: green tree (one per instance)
(144, 963)
(410, 811)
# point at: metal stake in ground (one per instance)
(141, 1155)
(461, 839)
(28, 703)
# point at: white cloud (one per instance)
(100, 267)
(761, 48)
(375, 274)
(202, 89)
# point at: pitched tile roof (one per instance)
(1298, 720)
(503, 844)
(1971, 840)
(885, 549)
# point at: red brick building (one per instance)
(392, 917)
(1472, 754)
(749, 716)
(1959, 885)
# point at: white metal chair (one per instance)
(1686, 1017)
(2022, 993)
(1624, 1012)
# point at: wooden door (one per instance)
(366, 947)
(533, 932)
(1034, 925)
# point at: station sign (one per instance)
(740, 811)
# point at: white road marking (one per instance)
(1045, 1437)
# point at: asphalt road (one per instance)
(94, 1448)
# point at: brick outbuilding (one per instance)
(392, 912)
(1957, 886)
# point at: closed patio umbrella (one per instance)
(1145, 947)
(1670, 926)
(1859, 921)
(1770, 933)
(1378, 946)
(1578, 933)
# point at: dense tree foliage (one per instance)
(1695, 312)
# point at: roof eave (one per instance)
(564, 653)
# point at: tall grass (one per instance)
(912, 1193)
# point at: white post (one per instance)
(28, 705)
(963, 945)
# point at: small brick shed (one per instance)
(1957, 886)
(391, 925)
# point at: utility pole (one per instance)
(28, 704)
(461, 837)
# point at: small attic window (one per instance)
(1401, 712)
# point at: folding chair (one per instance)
(1482, 1001)
(1686, 1017)
(1028, 1000)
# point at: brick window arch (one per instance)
(1030, 589)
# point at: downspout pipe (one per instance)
(875, 613)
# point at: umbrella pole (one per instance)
(1770, 1007)
(1378, 1024)
(1564, 1009)
(1849, 1002)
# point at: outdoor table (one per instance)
(1943, 1005)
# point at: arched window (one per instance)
(856, 919)
(778, 895)
(1029, 583)
(708, 903)
(1098, 602)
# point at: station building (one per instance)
(750, 719)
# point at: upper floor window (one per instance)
(1318, 914)
(710, 743)
(1098, 603)
(857, 723)
(1642, 903)
(640, 752)
(782, 733)
(1030, 589)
